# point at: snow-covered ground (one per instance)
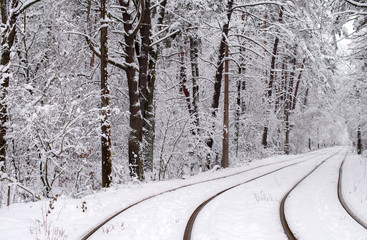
(314, 211)
(355, 185)
(249, 211)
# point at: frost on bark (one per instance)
(149, 115)
(132, 22)
(295, 95)
(143, 59)
(220, 62)
(136, 111)
(219, 71)
(90, 28)
(194, 55)
(288, 101)
(240, 104)
(105, 103)
(183, 80)
(10, 11)
(192, 101)
(284, 102)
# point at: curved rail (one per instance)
(283, 219)
(342, 200)
(190, 223)
(88, 234)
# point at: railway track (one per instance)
(190, 223)
(342, 201)
(286, 228)
(283, 219)
(89, 233)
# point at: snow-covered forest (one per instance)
(96, 93)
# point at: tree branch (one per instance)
(23, 6)
(356, 4)
(259, 3)
(255, 42)
(135, 31)
(92, 47)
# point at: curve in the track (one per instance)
(89, 233)
(342, 201)
(283, 219)
(190, 223)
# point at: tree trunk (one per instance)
(136, 116)
(240, 103)
(183, 80)
(149, 116)
(295, 96)
(194, 54)
(286, 130)
(291, 79)
(305, 100)
(271, 81)
(105, 102)
(289, 100)
(135, 107)
(7, 41)
(90, 29)
(270, 89)
(238, 110)
(143, 58)
(219, 72)
(286, 104)
(283, 87)
(359, 141)
(226, 114)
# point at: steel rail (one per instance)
(283, 219)
(342, 200)
(90, 232)
(191, 221)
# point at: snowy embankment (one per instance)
(355, 185)
(71, 218)
(249, 211)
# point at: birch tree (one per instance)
(105, 102)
